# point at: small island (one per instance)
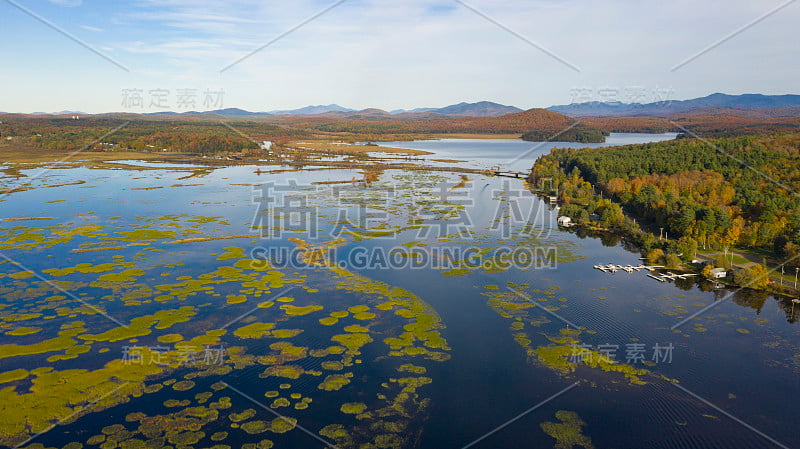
(578, 133)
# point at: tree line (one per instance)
(712, 194)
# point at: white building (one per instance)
(719, 273)
(564, 221)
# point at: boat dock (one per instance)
(662, 277)
(511, 174)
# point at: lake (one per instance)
(178, 305)
(513, 154)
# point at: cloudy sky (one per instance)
(146, 55)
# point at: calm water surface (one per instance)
(137, 308)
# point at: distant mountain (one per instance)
(480, 109)
(617, 109)
(756, 113)
(313, 110)
(229, 112)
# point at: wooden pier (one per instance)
(511, 174)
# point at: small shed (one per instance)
(564, 221)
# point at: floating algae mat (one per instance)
(153, 311)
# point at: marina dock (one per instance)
(663, 277)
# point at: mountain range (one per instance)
(480, 109)
(747, 105)
(715, 103)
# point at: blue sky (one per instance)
(389, 54)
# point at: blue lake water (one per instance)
(513, 154)
(381, 314)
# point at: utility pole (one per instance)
(796, 270)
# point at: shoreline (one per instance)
(774, 288)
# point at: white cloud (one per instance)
(374, 53)
(91, 28)
(67, 3)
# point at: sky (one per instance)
(152, 55)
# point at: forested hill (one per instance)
(723, 192)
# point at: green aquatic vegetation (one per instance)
(243, 416)
(219, 436)
(263, 444)
(335, 382)
(21, 275)
(410, 368)
(86, 268)
(122, 277)
(332, 365)
(21, 331)
(292, 310)
(410, 384)
(339, 315)
(170, 338)
(286, 333)
(60, 343)
(271, 394)
(236, 299)
(232, 253)
(569, 432)
(255, 427)
(285, 371)
(558, 357)
(335, 432)
(364, 316)
(282, 424)
(183, 385)
(280, 402)
(742, 331)
(203, 397)
(141, 326)
(185, 438)
(11, 376)
(355, 328)
(353, 342)
(456, 272)
(255, 330)
(142, 235)
(357, 309)
(328, 321)
(353, 408)
(54, 393)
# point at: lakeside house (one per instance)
(719, 273)
(564, 221)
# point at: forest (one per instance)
(137, 134)
(712, 194)
(578, 133)
(210, 134)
